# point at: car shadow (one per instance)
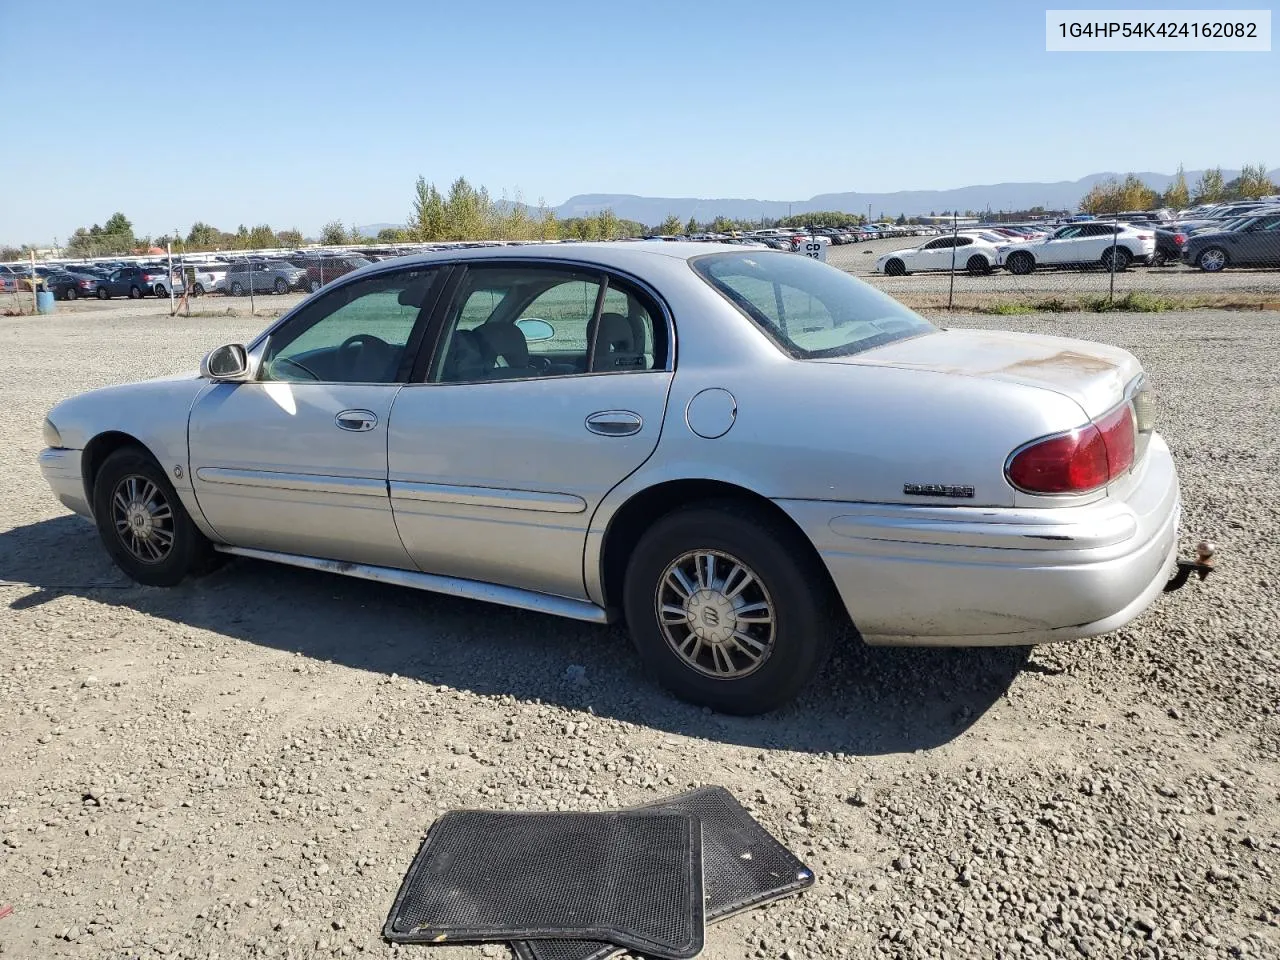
(868, 701)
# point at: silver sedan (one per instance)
(737, 451)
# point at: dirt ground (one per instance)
(243, 766)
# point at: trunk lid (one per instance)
(1092, 374)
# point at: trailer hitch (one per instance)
(1202, 566)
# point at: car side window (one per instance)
(963, 241)
(358, 333)
(511, 322)
(934, 245)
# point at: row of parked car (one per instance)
(108, 279)
(1219, 236)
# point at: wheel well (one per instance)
(645, 508)
(96, 452)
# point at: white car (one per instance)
(971, 252)
(209, 278)
(1081, 245)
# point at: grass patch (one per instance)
(1133, 302)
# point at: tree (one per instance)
(670, 227)
(289, 238)
(333, 233)
(428, 220)
(691, 226)
(393, 235)
(1178, 197)
(548, 223)
(261, 237)
(610, 228)
(1210, 188)
(12, 253)
(1113, 196)
(722, 224)
(203, 236)
(1253, 182)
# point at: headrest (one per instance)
(615, 334)
(503, 340)
(413, 294)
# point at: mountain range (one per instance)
(1059, 195)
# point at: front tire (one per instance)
(142, 523)
(237, 290)
(1021, 263)
(895, 268)
(198, 290)
(315, 285)
(281, 287)
(728, 607)
(1212, 260)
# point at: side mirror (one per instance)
(230, 362)
(535, 329)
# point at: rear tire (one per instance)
(315, 285)
(135, 293)
(70, 293)
(1020, 263)
(704, 649)
(237, 290)
(978, 266)
(1212, 259)
(143, 524)
(1119, 257)
(198, 290)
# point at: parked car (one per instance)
(1251, 242)
(1111, 245)
(509, 424)
(206, 278)
(974, 254)
(8, 279)
(71, 285)
(327, 268)
(266, 276)
(133, 282)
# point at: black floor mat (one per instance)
(630, 879)
(743, 867)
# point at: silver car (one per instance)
(737, 451)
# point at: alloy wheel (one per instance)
(143, 518)
(716, 614)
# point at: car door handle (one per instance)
(615, 423)
(357, 421)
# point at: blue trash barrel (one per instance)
(44, 301)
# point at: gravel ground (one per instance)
(243, 766)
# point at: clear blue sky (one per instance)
(303, 112)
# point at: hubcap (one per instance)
(143, 519)
(716, 614)
(1213, 260)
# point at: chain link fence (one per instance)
(1122, 262)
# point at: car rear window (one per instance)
(808, 308)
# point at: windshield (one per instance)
(808, 308)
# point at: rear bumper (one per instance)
(61, 470)
(968, 576)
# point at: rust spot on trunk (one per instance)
(1064, 360)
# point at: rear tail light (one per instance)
(1079, 461)
(84, 283)
(1179, 238)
